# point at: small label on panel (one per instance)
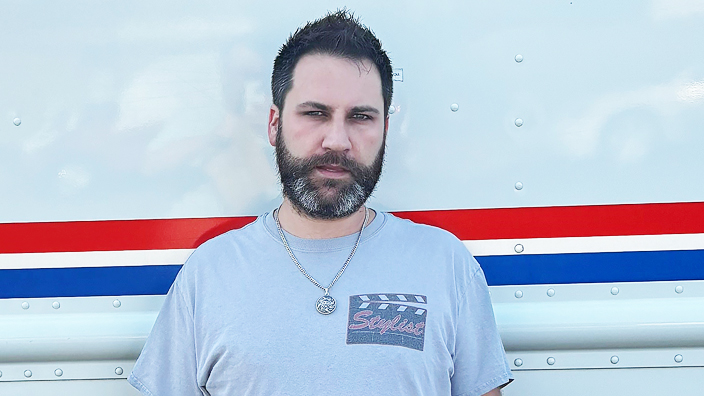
(398, 75)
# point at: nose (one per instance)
(337, 136)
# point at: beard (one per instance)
(322, 198)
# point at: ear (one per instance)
(274, 120)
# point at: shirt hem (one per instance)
(135, 382)
(498, 382)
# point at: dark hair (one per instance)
(337, 34)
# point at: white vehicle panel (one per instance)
(158, 110)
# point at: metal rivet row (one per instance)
(518, 362)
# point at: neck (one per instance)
(302, 226)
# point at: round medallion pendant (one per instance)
(325, 305)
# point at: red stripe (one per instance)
(82, 236)
(567, 221)
(466, 224)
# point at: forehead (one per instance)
(334, 80)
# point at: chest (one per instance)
(391, 326)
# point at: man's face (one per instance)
(330, 148)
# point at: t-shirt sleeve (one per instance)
(480, 361)
(167, 364)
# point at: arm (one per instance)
(480, 361)
(167, 364)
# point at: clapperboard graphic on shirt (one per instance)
(388, 319)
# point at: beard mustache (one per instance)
(326, 198)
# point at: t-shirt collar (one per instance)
(322, 245)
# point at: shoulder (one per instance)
(209, 255)
(229, 240)
(424, 233)
(429, 238)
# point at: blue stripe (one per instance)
(499, 270)
(593, 267)
(87, 282)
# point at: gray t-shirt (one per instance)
(413, 317)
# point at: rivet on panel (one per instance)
(25, 305)
(56, 305)
(392, 109)
(679, 289)
(116, 304)
(614, 290)
(518, 186)
(551, 361)
(454, 107)
(519, 58)
(518, 362)
(518, 294)
(119, 371)
(28, 373)
(58, 372)
(518, 122)
(0, 374)
(551, 292)
(17, 121)
(679, 358)
(614, 359)
(518, 248)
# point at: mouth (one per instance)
(332, 171)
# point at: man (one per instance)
(324, 296)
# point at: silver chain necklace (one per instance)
(325, 304)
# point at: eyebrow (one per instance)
(315, 105)
(365, 109)
(323, 107)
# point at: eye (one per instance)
(361, 117)
(315, 113)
